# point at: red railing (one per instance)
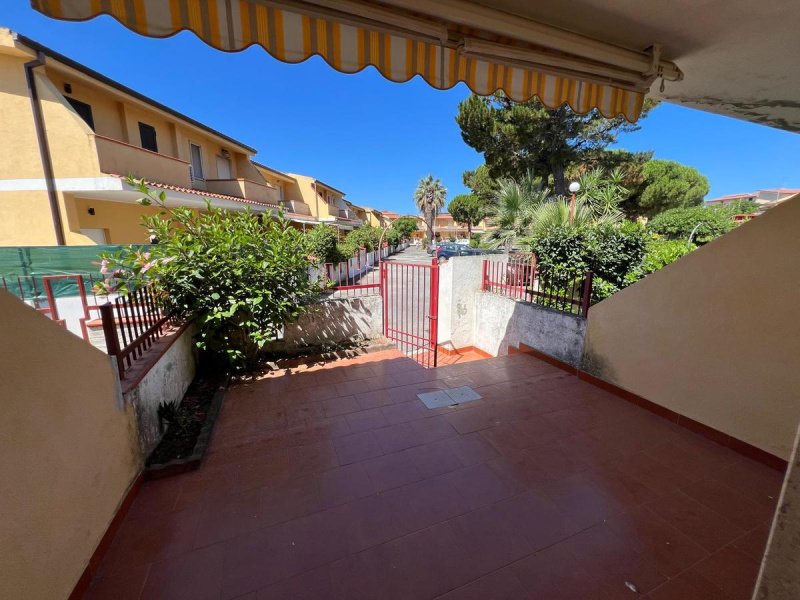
(27, 290)
(517, 277)
(131, 325)
(357, 276)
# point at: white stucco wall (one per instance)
(166, 381)
(502, 322)
(459, 284)
(335, 321)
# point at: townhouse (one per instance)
(71, 136)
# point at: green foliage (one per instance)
(518, 137)
(515, 212)
(430, 196)
(742, 207)
(366, 236)
(707, 223)
(467, 209)
(603, 192)
(392, 237)
(323, 243)
(239, 279)
(481, 184)
(662, 252)
(613, 253)
(405, 226)
(667, 184)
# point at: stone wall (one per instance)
(334, 322)
(165, 381)
(502, 322)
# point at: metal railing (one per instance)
(131, 325)
(358, 276)
(516, 276)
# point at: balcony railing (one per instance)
(517, 277)
(119, 158)
(295, 206)
(242, 188)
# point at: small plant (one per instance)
(175, 419)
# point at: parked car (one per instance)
(450, 250)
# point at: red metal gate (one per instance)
(411, 308)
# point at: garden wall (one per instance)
(170, 370)
(715, 335)
(69, 453)
(502, 322)
(332, 322)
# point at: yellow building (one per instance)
(326, 203)
(289, 195)
(94, 132)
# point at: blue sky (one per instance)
(361, 133)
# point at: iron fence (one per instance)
(131, 325)
(516, 276)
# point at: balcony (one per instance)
(243, 188)
(119, 158)
(345, 213)
(296, 206)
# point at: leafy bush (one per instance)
(405, 226)
(366, 237)
(661, 252)
(239, 279)
(392, 237)
(322, 241)
(707, 223)
(612, 253)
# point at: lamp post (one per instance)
(574, 187)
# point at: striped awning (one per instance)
(352, 35)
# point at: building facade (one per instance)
(62, 180)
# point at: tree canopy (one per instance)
(520, 137)
(468, 210)
(405, 226)
(668, 184)
(481, 183)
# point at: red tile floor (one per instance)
(335, 482)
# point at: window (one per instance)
(83, 110)
(197, 162)
(147, 134)
(224, 168)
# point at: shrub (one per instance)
(612, 253)
(239, 279)
(322, 241)
(366, 237)
(707, 223)
(392, 237)
(661, 252)
(405, 226)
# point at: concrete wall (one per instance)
(459, 285)
(502, 322)
(469, 317)
(335, 321)
(780, 570)
(714, 336)
(166, 381)
(68, 453)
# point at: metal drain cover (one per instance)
(442, 398)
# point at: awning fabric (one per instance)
(291, 33)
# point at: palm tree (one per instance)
(430, 196)
(516, 208)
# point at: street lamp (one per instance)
(574, 187)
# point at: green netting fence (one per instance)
(22, 268)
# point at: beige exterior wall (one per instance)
(77, 152)
(714, 336)
(69, 453)
(315, 198)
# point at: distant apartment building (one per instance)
(445, 227)
(764, 198)
(64, 159)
